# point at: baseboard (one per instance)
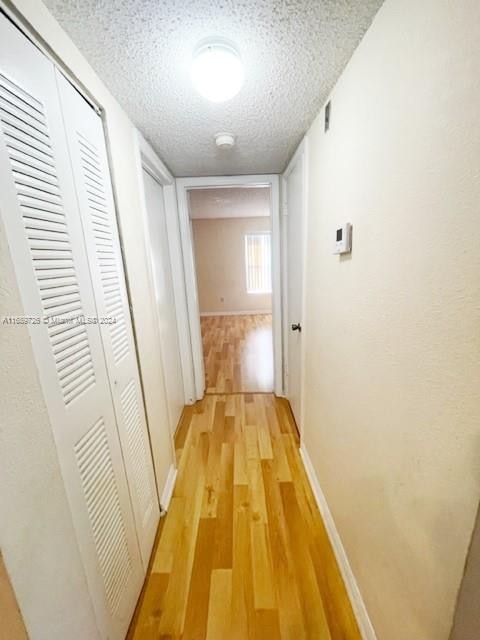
(168, 488)
(358, 605)
(204, 314)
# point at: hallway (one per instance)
(228, 563)
(238, 353)
(239, 311)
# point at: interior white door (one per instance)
(294, 227)
(165, 299)
(42, 222)
(86, 143)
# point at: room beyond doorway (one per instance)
(231, 231)
(218, 184)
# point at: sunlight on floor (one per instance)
(238, 353)
(259, 356)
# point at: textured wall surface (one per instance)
(393, 358)
(220, 262)
(293, 53)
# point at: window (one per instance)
(258, 262)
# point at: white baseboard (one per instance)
(358, 605)
(261, 312)
(168, 488)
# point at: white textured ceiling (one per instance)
(293, 52)
(230, 202)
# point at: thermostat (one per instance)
(343, 239)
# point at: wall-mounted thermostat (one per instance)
(343, 239)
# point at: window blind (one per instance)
(258, 262)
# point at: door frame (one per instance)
(150, 162)
(300, 155)
(216, 182)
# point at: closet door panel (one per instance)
(88, 155)
(40, 213)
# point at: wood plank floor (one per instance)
(238, 353)
(242, 553)
(12, 626)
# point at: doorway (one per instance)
(294, 224)
(230, 238)
(231, 232)
(159, 254)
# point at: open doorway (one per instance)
(231, 233)
(250, 203)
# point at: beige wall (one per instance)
(392, 385)
(36, 534)
(220, 262)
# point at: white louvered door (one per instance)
(40, 212)
(86, 143)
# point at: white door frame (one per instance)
(300, 155)
(212, 182)
(148, 160)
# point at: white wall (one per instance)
(219, 245)
(393, 342)
(36, 537)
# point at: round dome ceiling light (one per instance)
(225, 140)
(217, 70)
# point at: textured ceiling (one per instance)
(293, 52)
(230, 202)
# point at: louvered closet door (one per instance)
(40, 213)
(86, 143)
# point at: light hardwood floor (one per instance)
(11, 621)
(242, 553)
(238, 353)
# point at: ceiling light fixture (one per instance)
(217, 70)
